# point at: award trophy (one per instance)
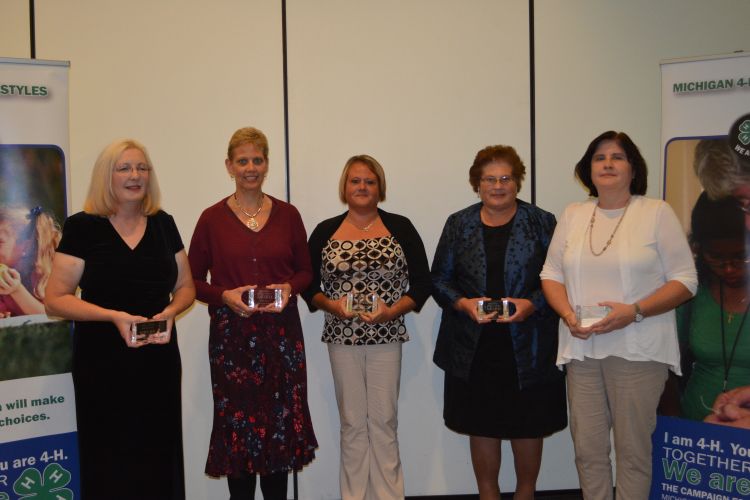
(503, 307)
(361, 302)
(261, 297)
(588, 315)
(145, 329)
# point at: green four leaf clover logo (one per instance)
(744, 135)
(49, 485)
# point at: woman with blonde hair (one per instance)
(127, 257)
(370, 269)
(27, 244)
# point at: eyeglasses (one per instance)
(127, 168)
(735, 263)
(491, 181)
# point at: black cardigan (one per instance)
(402, 229)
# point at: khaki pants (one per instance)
(367, 379)
(620, 395)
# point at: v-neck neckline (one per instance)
(237, 219)
(122, 240)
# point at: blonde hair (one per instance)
(101, 199)
(718, 168)
(372, 165)
(248, 135)
(42, 231)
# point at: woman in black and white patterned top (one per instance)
(370, 269)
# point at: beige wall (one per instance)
(14, 28)
(419, 84)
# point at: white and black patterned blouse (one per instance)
(364, 267)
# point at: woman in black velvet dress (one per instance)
(127, 257)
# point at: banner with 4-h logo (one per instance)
(38, 443)
(706, 146)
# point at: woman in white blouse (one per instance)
(628, 256)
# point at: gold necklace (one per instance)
(609, 241)
(251, 223)
(367, 227)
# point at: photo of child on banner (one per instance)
(32, 200)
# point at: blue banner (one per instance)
(43, 468)
(698, 460)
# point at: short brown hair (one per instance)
(492, 154)
(372, 165)
(640, 172)
(248, 135)
(100, 199)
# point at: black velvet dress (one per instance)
(127, 400)
(491, 404)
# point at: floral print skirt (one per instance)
(258, 373)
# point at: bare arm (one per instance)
(335, 307)
(61, 300)
(557, 298)
(385, 313)
(183, 293)
(668, 296)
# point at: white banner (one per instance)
(38, 444)
(706, 123)
(701, 98)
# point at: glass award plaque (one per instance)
(588, 315)
(504, 308)
(142, 331)
(262, 297)
(361, 302)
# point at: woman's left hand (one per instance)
(620, 316)
(286, 292)
(162, 337)
(382, 313)
(524, 309)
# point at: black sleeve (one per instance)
(315, 246)
(171, 233)
(76, 232)
(420, 283)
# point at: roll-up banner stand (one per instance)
(705, 105)
(38, 445)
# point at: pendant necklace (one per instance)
(365, 228)
(251, 222)
(728, 365)
(609, 241)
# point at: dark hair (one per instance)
(714, 220)
(640, 172)
(492, 154)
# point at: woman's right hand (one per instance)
(470, 308)
(575, 329)
(125, 324)
(233, 299)
(338, 308)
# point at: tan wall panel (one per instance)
(14, 29)
(181, 76)
(598, 69)
(421, 86)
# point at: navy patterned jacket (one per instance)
(459, 270)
